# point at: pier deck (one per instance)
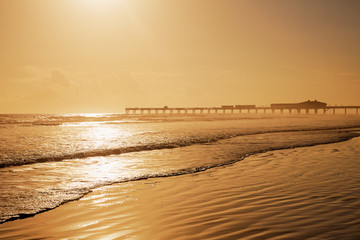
(234, 110)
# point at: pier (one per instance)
(307, 107)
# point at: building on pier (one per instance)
(302, 105)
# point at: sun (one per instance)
(99, 3)
(98, 7)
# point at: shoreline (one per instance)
(226, 201)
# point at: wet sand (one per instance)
(301, 193)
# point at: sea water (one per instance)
(47, 160)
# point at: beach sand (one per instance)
(301, 193)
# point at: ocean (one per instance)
(48, 160)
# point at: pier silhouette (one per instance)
(306, 107)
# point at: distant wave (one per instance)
(64, 119)
(55, 120)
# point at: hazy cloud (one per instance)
(58, 78)
(18, 72)
(347, 74)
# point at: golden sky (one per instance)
(103, 55)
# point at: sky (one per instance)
(68, 56)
